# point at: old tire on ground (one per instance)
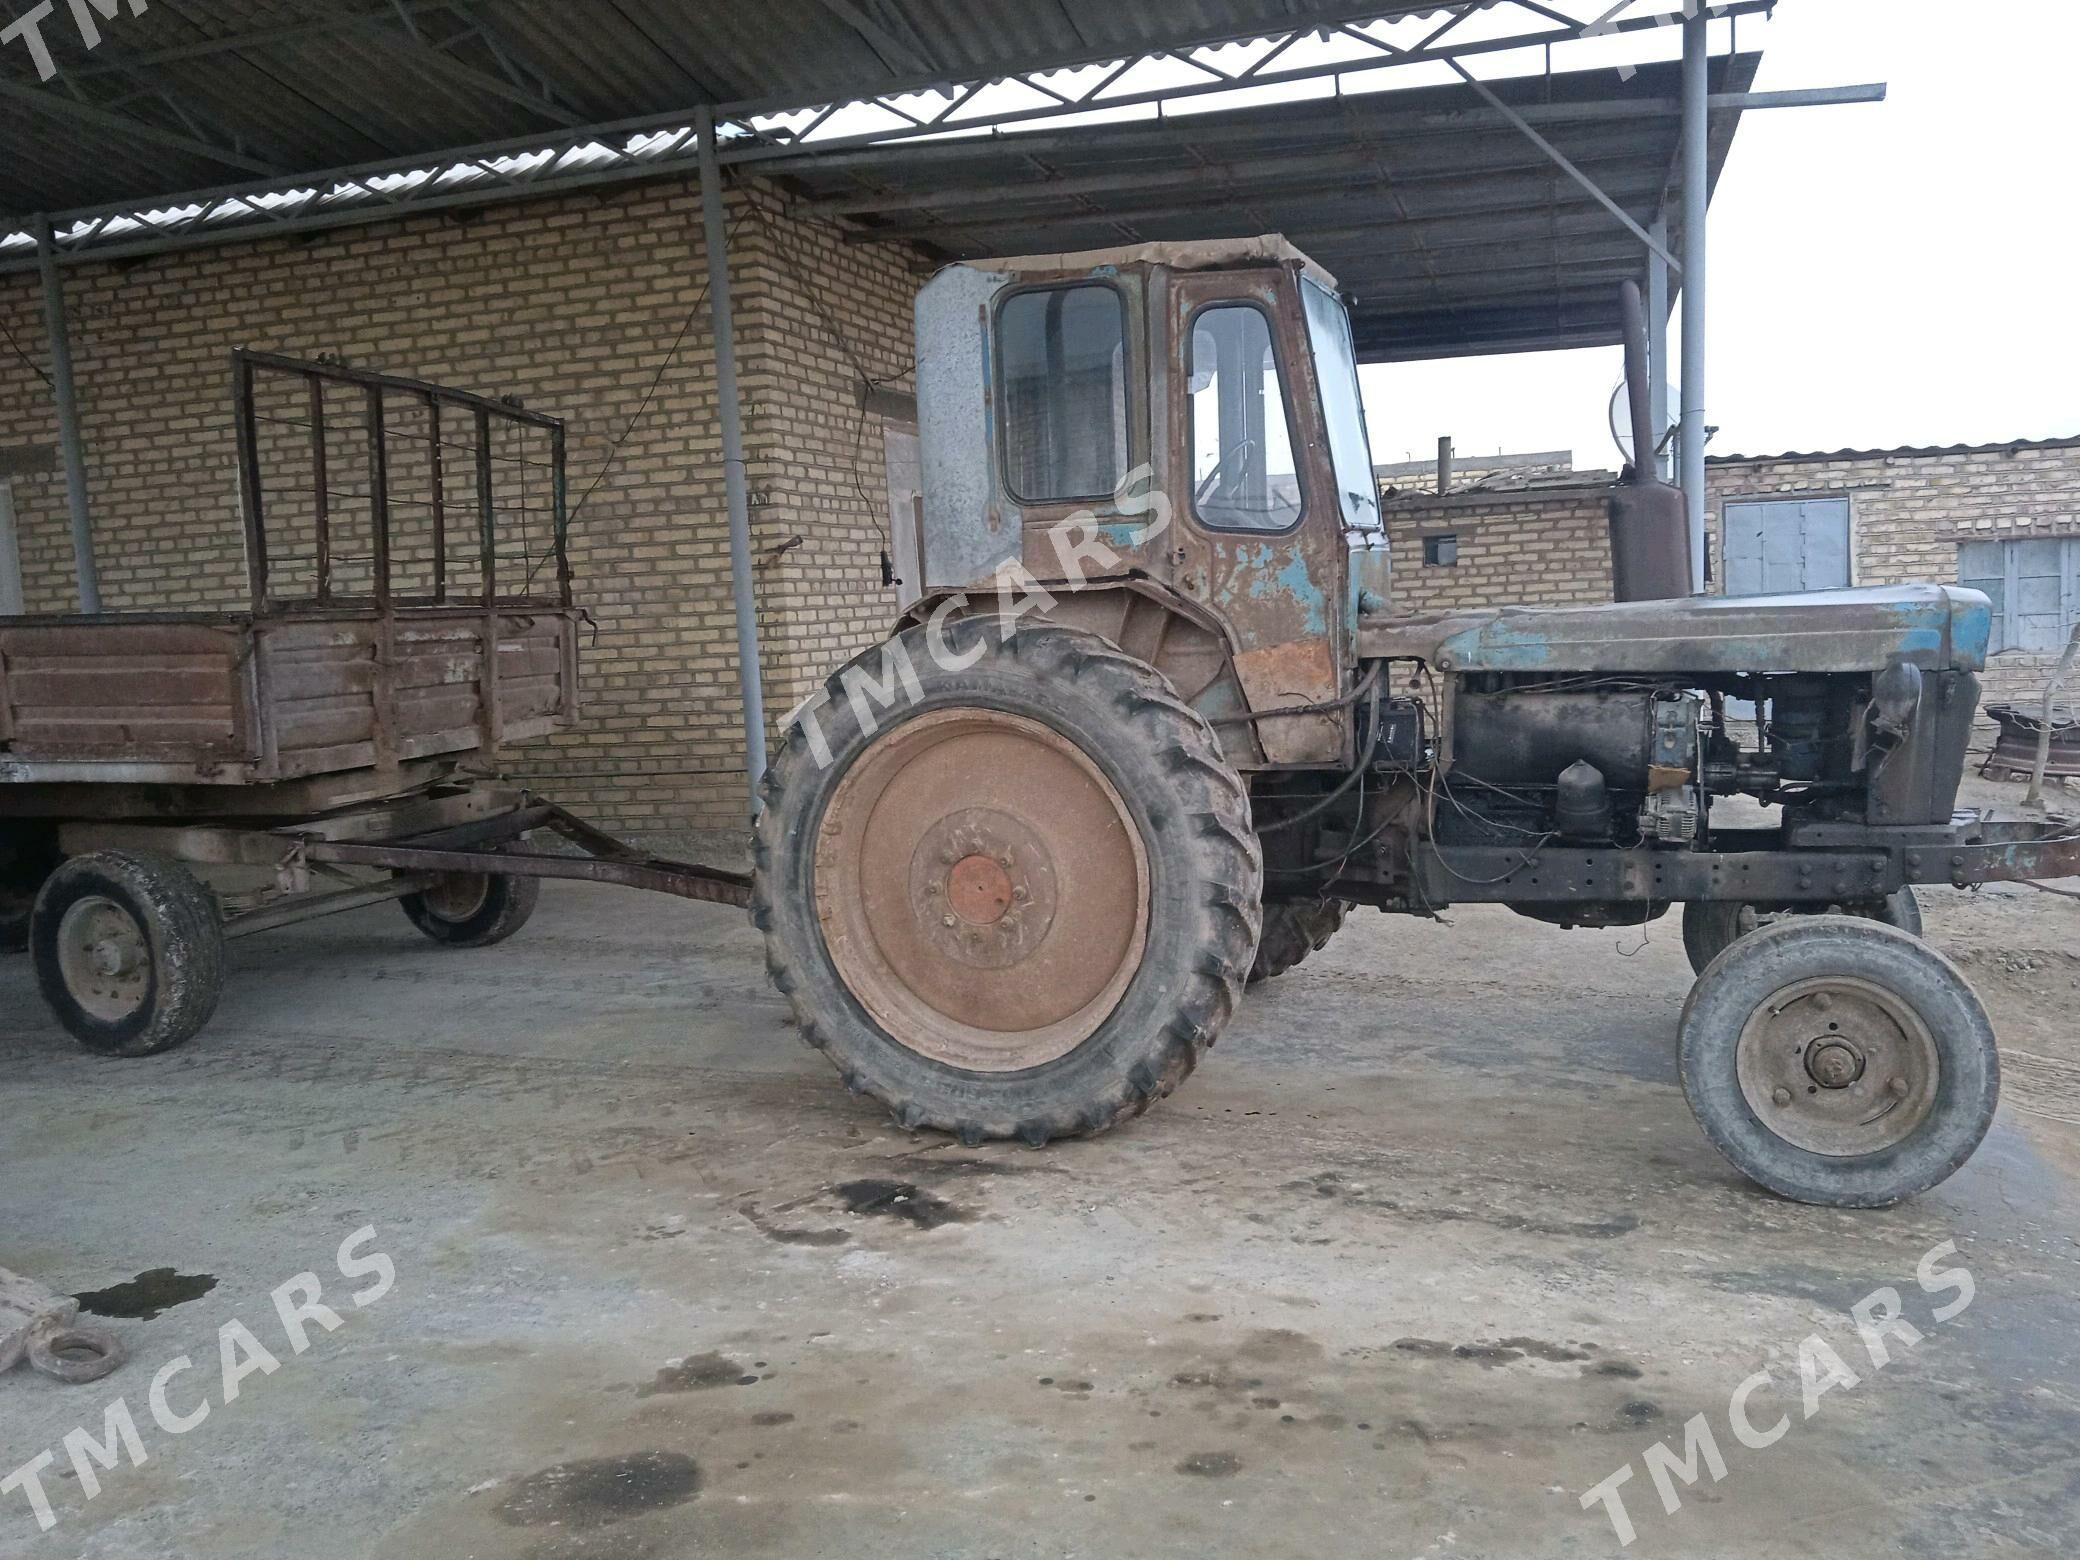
(1710, 929)
(1839, 1061)
(1293, 929)
(128, 950)
(1019, 903)
(473, 909)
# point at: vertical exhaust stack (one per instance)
(1650, 529)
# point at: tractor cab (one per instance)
(1194, 410)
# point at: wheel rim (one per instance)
(982, 889)
(1839, 1066)
(456, 896)
(105, 958)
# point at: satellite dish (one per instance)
(1619, 419)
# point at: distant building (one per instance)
(1530, 530)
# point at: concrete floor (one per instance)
(1428, 1247)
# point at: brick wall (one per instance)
(1548, 548)
(1910, 510)
(571, 304)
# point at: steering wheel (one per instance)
(1220, 469)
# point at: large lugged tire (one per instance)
(1709, 929)
(1839, 1061)
(129, 951)
(473, 909)
(1018, 904)
(1293, 929)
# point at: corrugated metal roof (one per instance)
(1902, 452)
(189, 93)
(1451, 231)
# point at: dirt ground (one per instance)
(1428, 1247)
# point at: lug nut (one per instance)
(1782, 1097)
(1898, 1086)
(948, 921)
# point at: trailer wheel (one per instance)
(474, 909)
(1839, 1061)
(1018, 903)
(1710, 929)
(1293, 929)
(129, 951)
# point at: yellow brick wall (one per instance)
(571, 304)
(1532, 550)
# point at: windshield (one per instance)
(1336, 367)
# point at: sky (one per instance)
(1893, 274)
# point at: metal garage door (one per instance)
(1783, 545)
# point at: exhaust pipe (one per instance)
(1650, 528)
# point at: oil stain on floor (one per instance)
(146, 1296)
(599, 1491)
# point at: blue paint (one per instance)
(1936, 628)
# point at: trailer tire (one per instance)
(474, 909)
(1709, 929)
(1087, 782)
(1839, 1061)
(129, 952)
(1294, 929)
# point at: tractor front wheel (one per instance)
(1016, 895)
(1294, 929)
(1709, 929)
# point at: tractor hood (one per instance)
(1938, 628)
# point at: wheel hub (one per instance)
(104, 957)
(979, 889)
(1838, 1066)
(944, 860)
(1833, 1065)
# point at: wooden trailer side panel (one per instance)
(342, 695)
(233, 701)
(150, 692)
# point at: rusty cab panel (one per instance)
(1164, 405)
(1256, 535)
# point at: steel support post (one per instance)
(1696, 193)
(68, 416)
(730, 409)
(1657, 350)
(10, 552)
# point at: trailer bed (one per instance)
(235, 700)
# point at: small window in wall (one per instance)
(1441, 552)
(1243, 475)
(2034, 586)
(1063, 354)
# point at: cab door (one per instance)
(1257, 537)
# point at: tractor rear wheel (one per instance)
(1293, 929)
(1020, 901)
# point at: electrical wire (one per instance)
(34, 367)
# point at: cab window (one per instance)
(1063, 352)
(1241, 435)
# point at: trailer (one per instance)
(172, 780)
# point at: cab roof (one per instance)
(1213, 254)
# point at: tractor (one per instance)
(1153, 727)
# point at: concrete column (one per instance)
(69, 442)
(749, 672)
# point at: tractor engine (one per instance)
(1606, 765)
